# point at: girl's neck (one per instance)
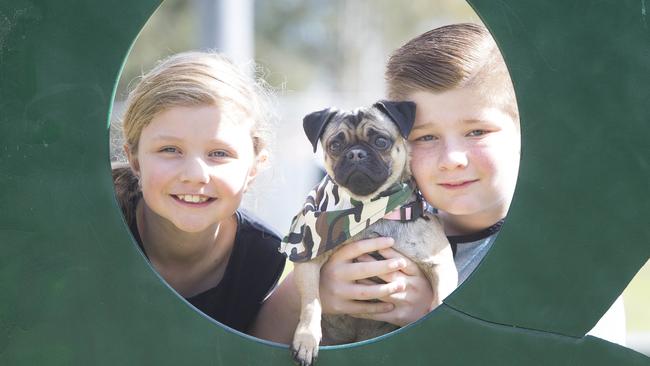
(190, 262)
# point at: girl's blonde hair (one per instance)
(196, 79)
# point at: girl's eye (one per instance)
(219, 154)
(382, 142)
(475, 133)
(169, 149)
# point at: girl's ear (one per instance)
(259, 164)
(133, 161)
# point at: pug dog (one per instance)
(368, 192)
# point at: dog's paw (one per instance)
(304, 348)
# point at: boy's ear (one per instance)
(314, 124)
(402, 113)
(133, 161)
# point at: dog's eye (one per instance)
(382, 142)
(334, 146)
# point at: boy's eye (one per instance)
(425, 138)
(219, 154)
(475, 133)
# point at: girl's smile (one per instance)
(193, 199)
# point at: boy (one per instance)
(465, 144)
(465, 149)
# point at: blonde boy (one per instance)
(466, 141)
(465, 148)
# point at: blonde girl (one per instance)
(195, 133)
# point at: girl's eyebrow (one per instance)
(174, 138)
(166, 138)
(211, 142)
(221, 143)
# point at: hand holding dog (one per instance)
(345, 286)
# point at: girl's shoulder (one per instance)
(253, 225)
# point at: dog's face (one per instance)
(365, 150)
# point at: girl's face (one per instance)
(194, 165)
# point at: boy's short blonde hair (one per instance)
(451, 57)
(196, 79)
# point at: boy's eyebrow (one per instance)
(475, 121)
(420, 127)
(469, 121)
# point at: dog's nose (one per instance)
(356, 155)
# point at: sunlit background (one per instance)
(315, 54)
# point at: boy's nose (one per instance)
(195, 170)
(452, 159)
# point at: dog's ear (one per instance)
(314, 124)
(402, 113)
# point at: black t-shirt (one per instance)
(253, 269)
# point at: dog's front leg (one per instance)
(308, 333)
(441, 272)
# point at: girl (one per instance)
(195, 133)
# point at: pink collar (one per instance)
(408, 212)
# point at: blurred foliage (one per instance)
(316, 41)
(171, 29)
(300, 42)
(302, 45)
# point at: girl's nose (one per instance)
(195, 170)
(452, 157)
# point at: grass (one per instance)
(637, 301)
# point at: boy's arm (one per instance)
(405, 298)
(344, 289)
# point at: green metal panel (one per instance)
(74, 290)
(579, 226)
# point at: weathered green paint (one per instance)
(74, 290)
(579, 228)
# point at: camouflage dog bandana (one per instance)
(330, 217)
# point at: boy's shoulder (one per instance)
(469, 250)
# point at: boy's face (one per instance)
(465, 155)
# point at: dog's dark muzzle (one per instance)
(361, 171)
